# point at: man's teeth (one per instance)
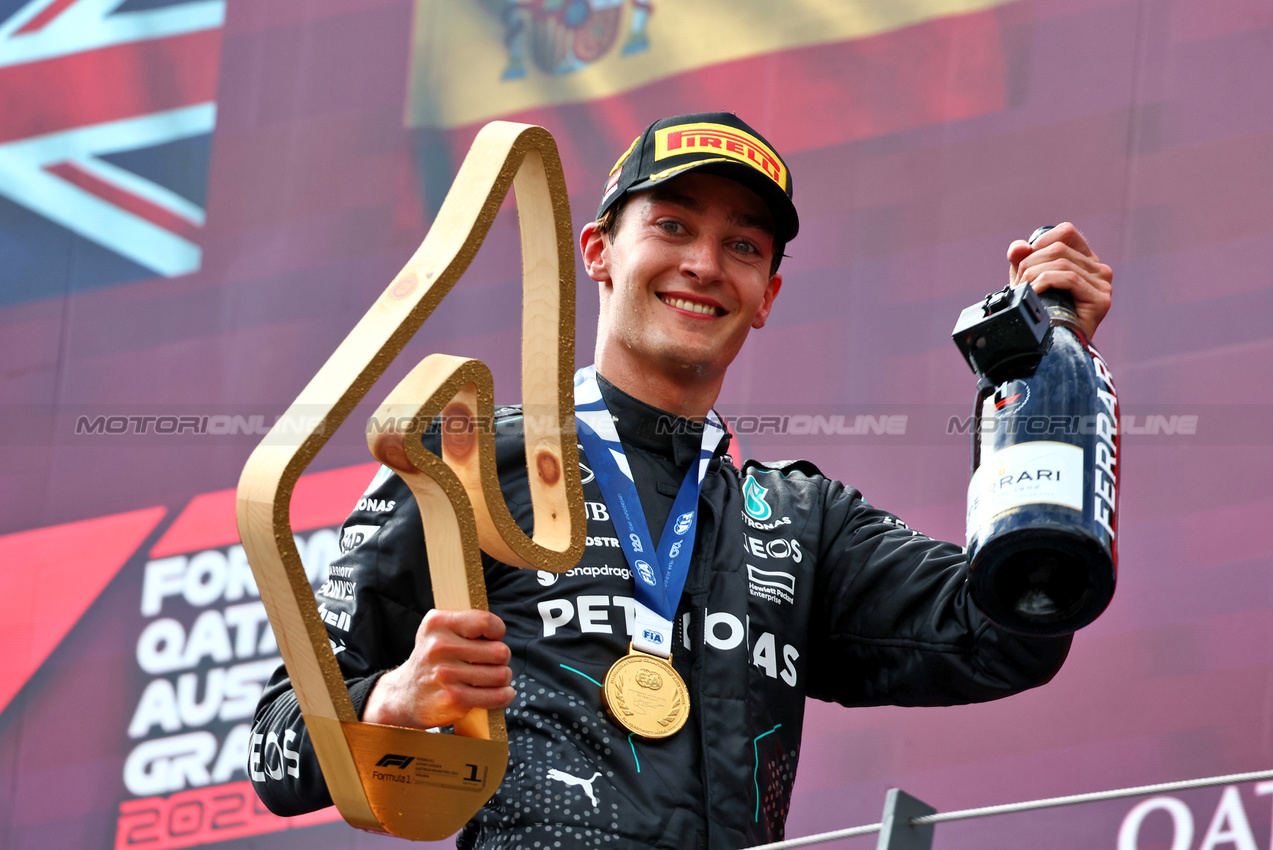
(682, 304)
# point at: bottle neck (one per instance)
(1060, 306)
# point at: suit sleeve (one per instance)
(375, 596)
(894, 623)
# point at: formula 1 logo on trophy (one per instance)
(408, 782)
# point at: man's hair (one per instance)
(608, 225)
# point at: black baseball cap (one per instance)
(714, 142)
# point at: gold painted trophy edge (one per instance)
(502, 154)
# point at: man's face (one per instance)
(685, 277)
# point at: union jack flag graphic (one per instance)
(106, 111)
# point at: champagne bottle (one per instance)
(1042, 501)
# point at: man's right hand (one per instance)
(458, 664)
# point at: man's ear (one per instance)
(594, 248)
(771, 292)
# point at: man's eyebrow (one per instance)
(758, 222)
(667, 195)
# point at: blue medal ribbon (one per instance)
(659, 573)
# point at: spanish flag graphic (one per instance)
(477, 60)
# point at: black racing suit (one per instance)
(797, 588)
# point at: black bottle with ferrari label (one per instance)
(1042, 519)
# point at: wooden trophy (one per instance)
(449, 776)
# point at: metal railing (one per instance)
(908, 823)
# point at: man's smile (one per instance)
(681, 302)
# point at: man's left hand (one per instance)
(1062, 259)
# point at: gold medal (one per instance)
(645, 695)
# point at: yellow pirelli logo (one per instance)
(720, 140)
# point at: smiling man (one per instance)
(655, 693)
(688, 277)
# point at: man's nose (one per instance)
(703, 260)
